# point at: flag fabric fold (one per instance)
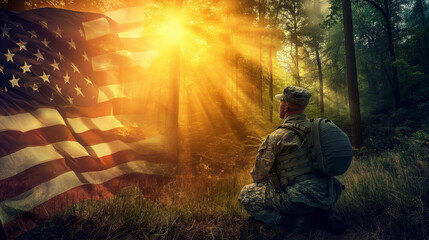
(65, 133)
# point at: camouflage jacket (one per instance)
(317, 192)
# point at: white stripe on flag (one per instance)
(136, 32)
(153, 145)
(28, 157)
(10, 209)
(83, 124)
(107, 93)
(111, 61)
(42, 117)
(96, 28)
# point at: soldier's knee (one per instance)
(253, 193)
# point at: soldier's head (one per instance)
(293, 100)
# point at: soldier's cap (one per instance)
(297, 95)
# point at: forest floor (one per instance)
(386, 197)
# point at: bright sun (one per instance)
(172, 30)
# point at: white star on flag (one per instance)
(67, 78)
(55, 65)
(58, 32)
(5, 31)
(39, 55)
(46, 43)
(14, 81)
(25, 68)
(21, 45)
(45, 77)
(72, 44)
(9, 56)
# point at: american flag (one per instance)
(66, 119)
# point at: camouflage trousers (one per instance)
(263, 203)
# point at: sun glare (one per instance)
(210, 47)
(172, 30)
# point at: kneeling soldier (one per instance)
(285, 192)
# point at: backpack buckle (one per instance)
(284, 181)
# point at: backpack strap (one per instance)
(316, 147)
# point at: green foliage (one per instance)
(417, 145)
(409, 76)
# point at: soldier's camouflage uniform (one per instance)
(262, 201)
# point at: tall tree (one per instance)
(261, 24)
(394, 82)
(313, 39)
(275, 12)
(294, 22)
(353, 90)
(175, 82)
(419, 12)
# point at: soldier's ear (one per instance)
(286, 107)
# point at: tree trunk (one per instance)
(236, 80)
(295, 26)
(175, 88)
(271, 93)
(353, 91)
(395, 81)
(319, 68)
(270, 63)
(337, 101)
(260, 78)
(420, 6)
(261, 72)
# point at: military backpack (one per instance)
(325, 150)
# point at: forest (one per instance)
(212, 92)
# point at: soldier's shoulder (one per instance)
(284, 134)
(281, 132)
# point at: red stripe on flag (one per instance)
(19, 106)
(12, 141)
(93, 137)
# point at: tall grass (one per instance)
(386, 197)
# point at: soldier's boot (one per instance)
(298, 224)
(288, 222)
(304, 222)
(334, 223)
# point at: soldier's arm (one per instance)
(264, 160)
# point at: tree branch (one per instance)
(378, 8)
